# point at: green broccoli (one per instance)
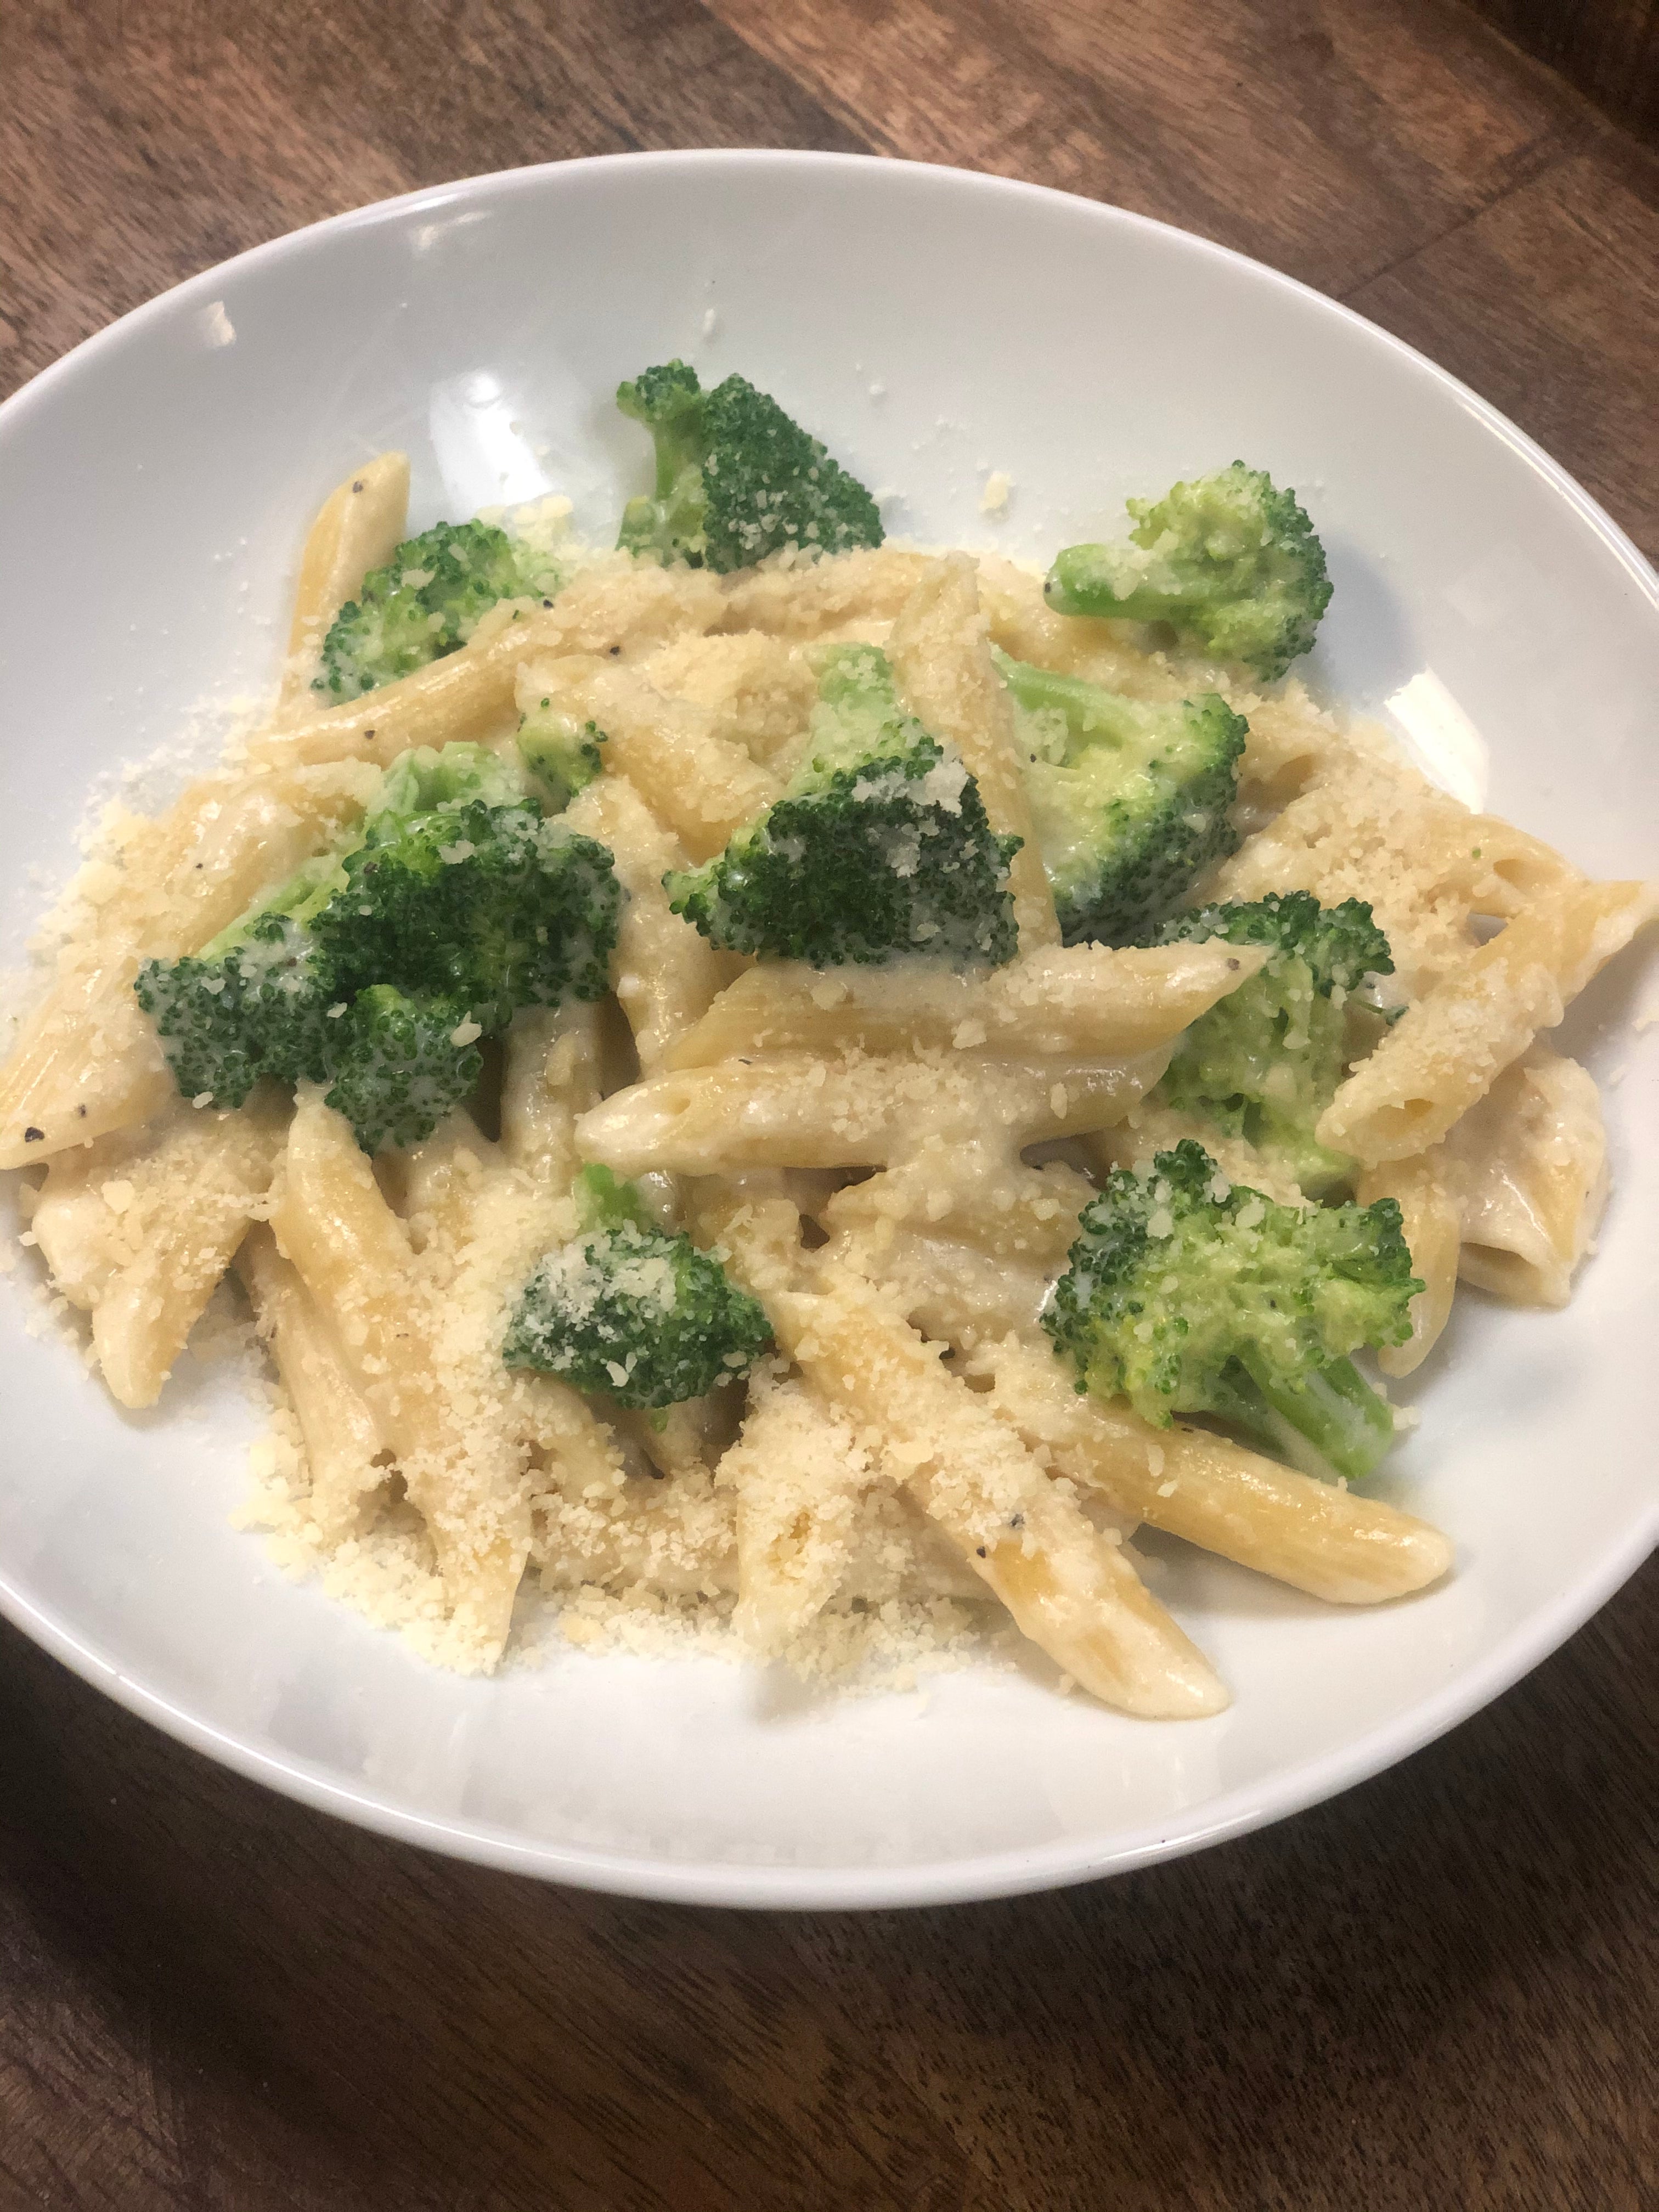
(253, 1002)
(561, 754)
(1187, 1294)
(460, 889)
(400, 1063)
(1229, 560)
(737, 479)
(631, 1310)
(1130, 801)
(880, 847)
(1265, 1061)
(453, 893)
(425, 602)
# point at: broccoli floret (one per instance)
(1229, 560)
(1130, 800)
(1187, 1294)
(253, 1002)
(425, 602)
(453, 893)
(880, 846)
(632, 1311)
(398, 1066)
(1265, 1061)
(561, 753)
(737, 479)
(460, 889)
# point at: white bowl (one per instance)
(935, 326)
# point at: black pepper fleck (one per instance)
(33, 1136)
(358, 485)
(982, 1550)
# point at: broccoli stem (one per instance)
(1108, 581)
(1326, 1420)
(1089, 711)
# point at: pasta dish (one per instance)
(765, 1077)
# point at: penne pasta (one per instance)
(463, 1473)
(1068, 1588)
(471, 695)
(1090, 1001)
(345, 1453)
(941, 659)
(1447, 1049)
(1329, 1541)
(86, 1061)
(1431, 1219)
(140, 1234)
(1369, 827)
(757, 692)
(664, 974)
(825, 599)
(1529, 1167)
(975, 1193)
(702, 786)
(359, 526)
(795, 1110)
(552, 1074)
(796, 1476)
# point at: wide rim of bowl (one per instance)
(1002, 1873)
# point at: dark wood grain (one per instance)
(1437, 1991)
(1610, 49)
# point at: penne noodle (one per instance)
(1529, 1166)
(551, 1076)
(976, 1194)
(1431, 1219)
(1447, 1049)
(798, 1111)
(796, 1474)
(1369, 827)
(442, 1182)
(1092, 1001)
(140, 1235)
(941, 661)
(1329, 1541)
(954, 1293)
(703, 786)
(463, 1474)
(826, 599)
(758, 691)
(664, 973)
(87, 1061)
(343, 1446)
(1068, 1588)
(470, 694)
(359, 526)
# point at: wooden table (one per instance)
(1436, 1992)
